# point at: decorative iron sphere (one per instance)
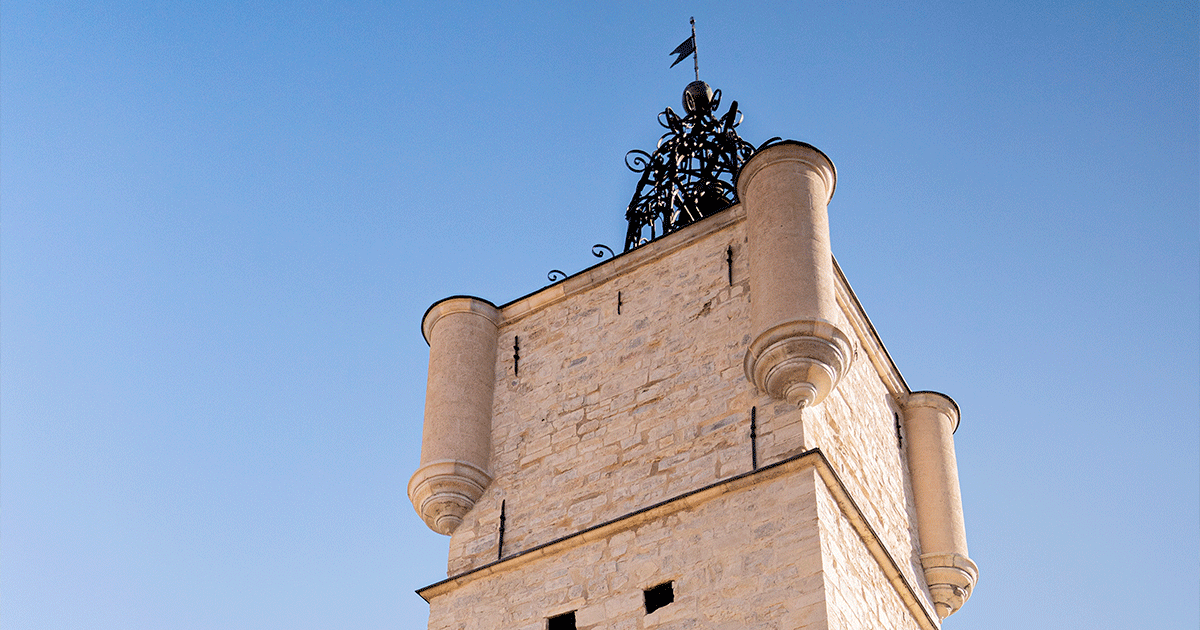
(697, 97)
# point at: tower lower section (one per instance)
(783, 546)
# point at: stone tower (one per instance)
(703, 432)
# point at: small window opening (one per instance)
(659, 596)
(565, 621)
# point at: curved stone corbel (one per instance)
(799, 361)
(443, 492)
(950, 577)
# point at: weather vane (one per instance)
(691, 174)
(688, 47)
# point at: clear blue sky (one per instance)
(222, 222)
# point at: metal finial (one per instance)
(695, 55)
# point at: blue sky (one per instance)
(220, 224)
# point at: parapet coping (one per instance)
(616, 266)
(621, 263)
(813, 458)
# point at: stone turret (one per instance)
(931, 419)
(456, 442)
(798, 353)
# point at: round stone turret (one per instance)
(797, 354)
(456, 442)
(930, 419)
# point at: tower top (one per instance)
(691, 174)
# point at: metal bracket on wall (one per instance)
(754, 438)
(500, 542)
(516, 355)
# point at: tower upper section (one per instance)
(722, 354)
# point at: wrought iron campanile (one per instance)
(691, 174)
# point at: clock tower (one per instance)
(704, 431)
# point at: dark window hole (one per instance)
(565, 621)
(659, 596)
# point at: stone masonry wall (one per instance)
(746, 560)
(858, 594)
(855, 428)
(606, 413)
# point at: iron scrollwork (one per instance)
(691, 174)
